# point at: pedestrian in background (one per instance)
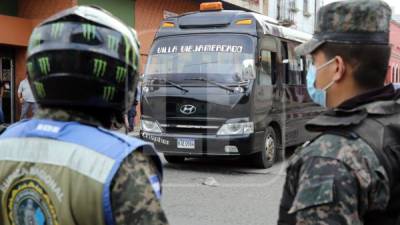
(349, 174)
(26, 98)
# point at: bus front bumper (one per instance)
(205, 145)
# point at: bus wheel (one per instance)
(268, 155)
(174, 159)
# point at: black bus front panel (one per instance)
(205, 145)
(196, 122)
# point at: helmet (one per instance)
(83, 57)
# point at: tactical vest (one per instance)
(378, 124)
(58, 173)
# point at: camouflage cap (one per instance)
(350, 22)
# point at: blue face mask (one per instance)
(317, 95)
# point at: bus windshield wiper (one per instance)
(170, 83)
(214, 83)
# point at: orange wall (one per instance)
(40, 9)
(148, 16)
(36, 11)
(15, 30)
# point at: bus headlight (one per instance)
(151, 126)
(236, 128)
(145, 89)
(238, 89)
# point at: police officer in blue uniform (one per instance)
(65, 166)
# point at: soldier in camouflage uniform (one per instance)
(65, 165)
(348, 174)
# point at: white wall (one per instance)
(272, 8)
(245, 4)
(301, 22)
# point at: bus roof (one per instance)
(228, 21)
(268, 24)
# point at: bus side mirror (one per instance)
(248, 69)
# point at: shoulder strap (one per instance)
(383, 135)
(374, 132)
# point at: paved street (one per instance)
(243, 195)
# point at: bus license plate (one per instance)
(186, 143)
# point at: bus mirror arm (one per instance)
(257, 63)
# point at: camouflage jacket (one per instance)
(333, 180)
(338, 177)
(133, 199)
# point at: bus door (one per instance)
(283, 100)
(266, 80)
(295, 96)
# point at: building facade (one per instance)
(393, 74)
(260, 6)
(296, 14)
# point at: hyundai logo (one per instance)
(188, 109)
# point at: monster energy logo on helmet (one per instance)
(44, 65)
(99, 67)
(108, 93)
(29, 66)
(121, 73)
(56, 30)
(35, 40)
(112, 43)
(89, 31)
(39, 89)
(130, 52)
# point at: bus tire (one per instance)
(174, 159)
(270, 152)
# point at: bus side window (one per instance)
(305, 70)
(265, 69)
(274, 67)
(269, 46)
(296, 68)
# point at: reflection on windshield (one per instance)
(197, 62)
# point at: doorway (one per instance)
(7, 78)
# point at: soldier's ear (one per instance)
(340, 68)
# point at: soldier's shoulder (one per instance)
(140, 161)
(134, 193)
(349, 150)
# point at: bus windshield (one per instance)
(203, 54)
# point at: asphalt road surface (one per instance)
(219, 192)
